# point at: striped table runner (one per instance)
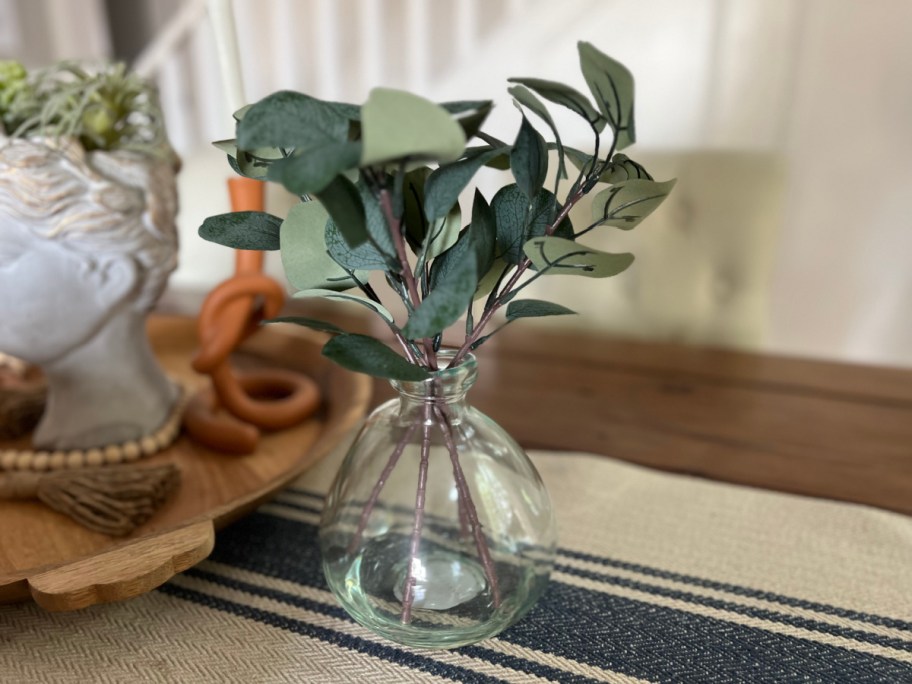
(660, 578)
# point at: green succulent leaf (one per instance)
(558, 256)
(343, 297)
(611, 84)
(533, 308)
(443, 186)
(287, 119)
(243, 230)
(526, 97)
(399, 125)
(311, 323)
(364, 354)
(564, 95)
(626, 204)
(304, 255)
(517, 220)
(309, 171)
(529, 159)
(342, 201)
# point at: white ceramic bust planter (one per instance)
(87, 242)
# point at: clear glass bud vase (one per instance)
(438, 531)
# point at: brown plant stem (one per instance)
(481, 543)
(378, 487)
(410, 581)
(499, 301)
(395, 226)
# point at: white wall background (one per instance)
(823, 85)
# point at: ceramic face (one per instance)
(48, 296)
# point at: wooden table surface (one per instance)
(823, 429)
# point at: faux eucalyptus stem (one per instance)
(408, 597)
(465, 496)
(395, 228)
(378, 487)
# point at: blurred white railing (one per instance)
(332, 49)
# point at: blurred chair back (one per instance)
(703, 259)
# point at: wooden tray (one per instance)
(62, 566)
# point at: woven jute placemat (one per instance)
(659, 577)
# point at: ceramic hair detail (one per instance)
(95, 203)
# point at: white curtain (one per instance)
(38, 32)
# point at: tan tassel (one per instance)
(113, 500)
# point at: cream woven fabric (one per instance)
(659, 578)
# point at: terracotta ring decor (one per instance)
(229, 415)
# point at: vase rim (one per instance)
(455, 380)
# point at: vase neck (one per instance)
(445, 387)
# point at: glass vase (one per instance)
(438, 531)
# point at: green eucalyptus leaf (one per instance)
(243, 230)
(228, 146)
(310, 170)
(255, 163)
(564, 95)
(559, 256)
(443, 233)
(239, 114)
(416, 224)
(626, 204)
(311, 323)
(500, 161)
(443, 186)
(399, 125)
(620, 169)
(365, 256)
(343, 297)
(489, 280)
(446, 303)
(483, 231)
(470, 115)
(378, 228)
(517, 220)
(529, 159)
(623, 168)
(611, 84)
(364, 354)
(342, 201)
(287, 119)
(303, 247)
(533, 308)
(526, 97)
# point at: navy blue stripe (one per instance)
(804, 623)
(388, 653)
(738, 590)
(812, 625)
(615, 633)
(495, 657)
(298, 506)
(741, 591)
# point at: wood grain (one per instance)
(818, 428)
(64, 566)
(822, 429)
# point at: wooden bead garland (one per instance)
(125, 452)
